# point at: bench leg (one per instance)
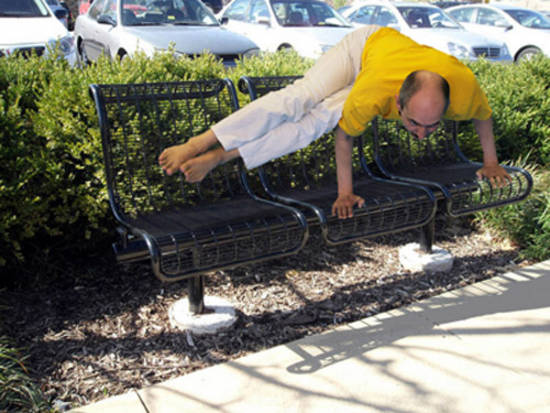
(427, 234)
(195, 291)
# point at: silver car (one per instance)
(119, 28)
(525, 31)
(429, 25)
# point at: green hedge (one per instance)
(52, 192)
(520, 98)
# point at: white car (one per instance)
(525, 31)
(310, 27)
(30, 26)
(120, 28)
(428, 25)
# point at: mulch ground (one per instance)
(102, 329)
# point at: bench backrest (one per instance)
(312, 167)
(138, 121)
(396, 149)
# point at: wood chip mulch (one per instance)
(102, 329)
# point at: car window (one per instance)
(362, 15)
(425, 17)
(385, 17)
(237, 10)
(96, 9)
(491, 18)
(160, 12)
(529, 18)
(110, 9)
(463, 15)
(258, 9)
(23, 8)
(306, 13)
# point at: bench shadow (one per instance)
(526, 291)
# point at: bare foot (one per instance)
(195, 169)
(172, 158)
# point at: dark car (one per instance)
(70, 17)
(448, 3)
(60, 12)
(214, 5)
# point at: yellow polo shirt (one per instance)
(388, 58)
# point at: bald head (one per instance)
(422, 102)
(432, 88)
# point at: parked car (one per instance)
(310, 27)
(214, 5)
(542, 6)
(526, 32)
(70, 16)
(119, 28)
(60, 12)
(444, 4)
(429, 25)
(30, 26)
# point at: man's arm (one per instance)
(491, 169)
(343, 206)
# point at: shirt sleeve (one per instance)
(359, 109)
(480, 105)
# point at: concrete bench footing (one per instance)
(219, 314)
(412, 258)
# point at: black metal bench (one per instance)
(185, 229)
(438, 163)
(307, 179)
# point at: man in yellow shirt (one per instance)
(372, 71)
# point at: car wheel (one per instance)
(82, 56)
(285, 47)
(122, 56)
(527, 53)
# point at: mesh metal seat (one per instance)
(307, 179)
(186, 229)
(437, 161)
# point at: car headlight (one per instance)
(251, 52)
(459, 51)
(65, 44)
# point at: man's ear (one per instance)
(399, 108)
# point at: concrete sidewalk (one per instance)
(483, 348)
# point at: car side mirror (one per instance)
(508, 28)
(263, 20)
(224, 20)
(106, 19)
(61, 13)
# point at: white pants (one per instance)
(289, 119)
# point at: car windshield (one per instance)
(529, 18)
(296, 13)
(161, 12)
(427, 17)
(23, 8)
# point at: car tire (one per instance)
(82, 56)
(285, 47)
(527, 53)
(122, 56)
